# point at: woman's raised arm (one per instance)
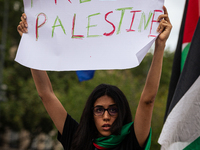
(43, 85)
(142, 122)
(51, 103)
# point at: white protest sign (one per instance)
(66, 35)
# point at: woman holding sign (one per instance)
(106, 122)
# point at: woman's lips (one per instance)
(106, 127)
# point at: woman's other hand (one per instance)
(23, 26)
(164, 27)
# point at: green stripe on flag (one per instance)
(194, 145)
(184, 55)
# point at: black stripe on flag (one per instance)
(176, 64)
(191, 70)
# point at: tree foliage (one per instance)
(23, 108)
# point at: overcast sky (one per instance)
(175, 10)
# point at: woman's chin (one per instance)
(104, 133)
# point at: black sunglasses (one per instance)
(100, 110)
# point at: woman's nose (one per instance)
(106, 115)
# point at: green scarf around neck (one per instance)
(114, 140)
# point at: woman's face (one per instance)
(104, 121)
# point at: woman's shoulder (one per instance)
(70, 125)
(130, 142)
(69, 130)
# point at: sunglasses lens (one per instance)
(113, 110)
(98, 111)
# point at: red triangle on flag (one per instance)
(191, 20)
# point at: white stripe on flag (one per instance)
(184, 45)
(182, 126)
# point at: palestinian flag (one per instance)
(181, 130)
